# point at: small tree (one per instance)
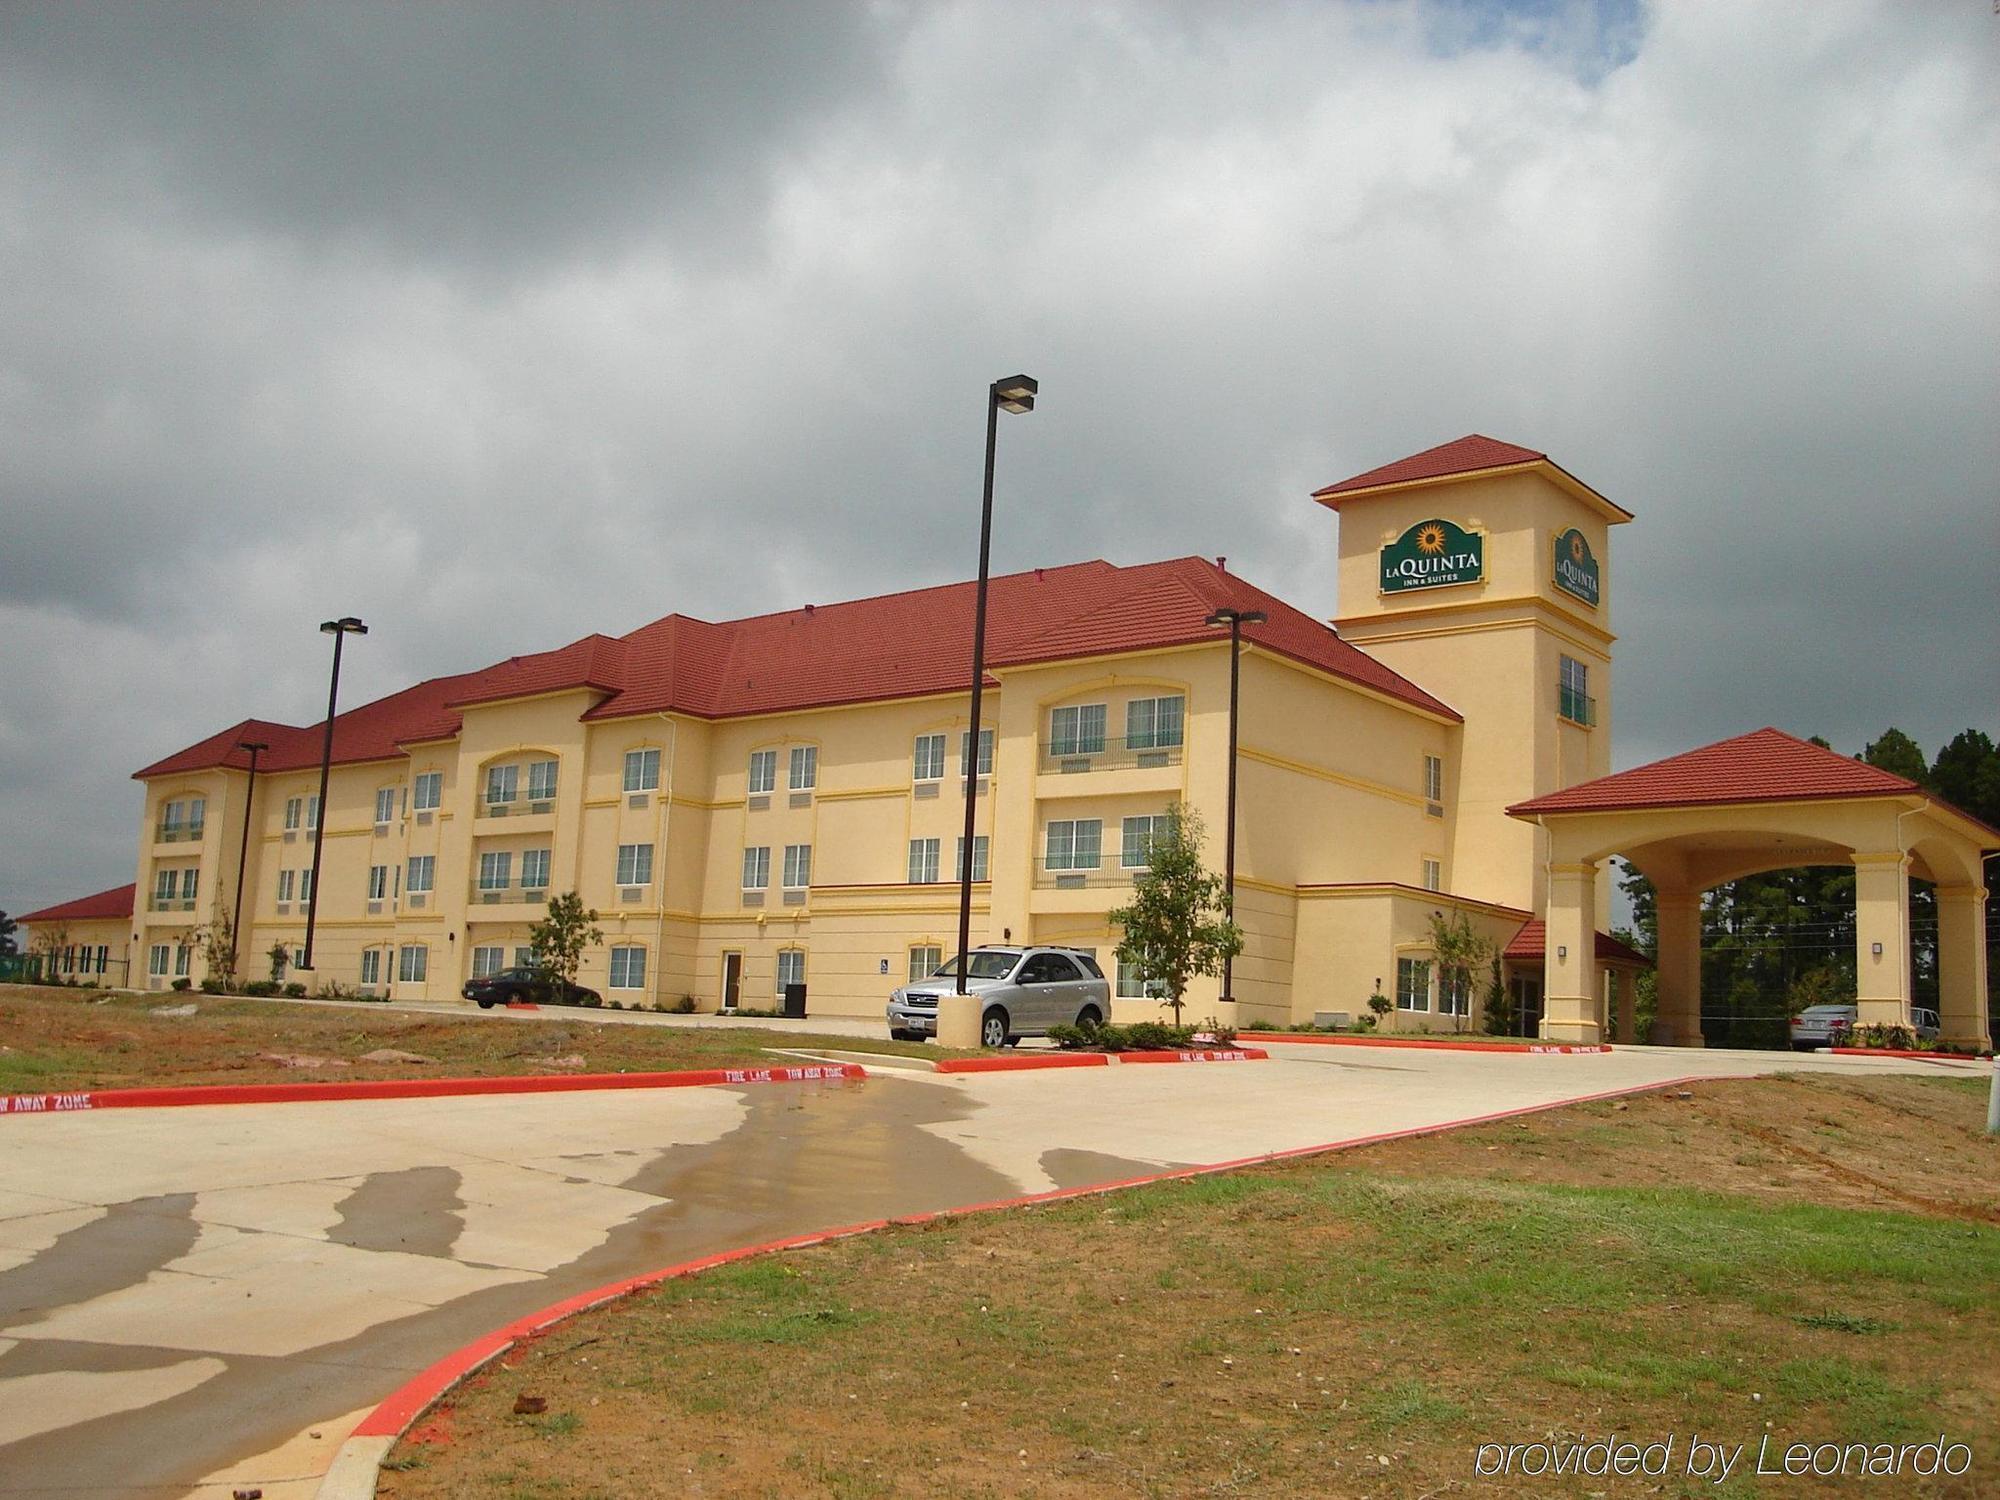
(1178, 924)
(1500, 1018)
(218, 947)
(1460, 953)
(280, 956)
(7, 930)
(559, 940)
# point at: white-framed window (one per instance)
(173, 817)
(487, 960)
(295, 812)
(413, 964)
(642, 770)
(1132, 987)
(501, 784)
(635, 864)
(978, 857)
(1136, 839)
(798, 866)
(924, 861)
(428, 791)
(1155, 723)
(371, 965)
(306, 885)
(422, 868)
(312, 813)
(385, 805)
(1573, 691)
(1434, 784)
(535, 869)
(298, 955)
(791, 967)
(628, 968)
(1455, 994)
(69, 958)
(805, 768)
(757, 867)
(524, 958)
(190, 881)
(1075, 844)
(378, 882)
(925, 961)
(496, 870)
(1077, 730)
(929, 758)
(157, 959)
(542, 780)
(287, 880)
(181, 952)
(763, 770)
(1433, 874)
(103, 957)
(985, 751)
(165, 882)
(197, 816)
(1413, 984)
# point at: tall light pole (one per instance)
(256, 748)
(1016, 394)
(1235, 619)
(339, 629)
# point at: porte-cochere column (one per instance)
(1882, 938)
(1962, 964)
(1572, 1000)
(1677, 972)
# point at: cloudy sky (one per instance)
(497, 325)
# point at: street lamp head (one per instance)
(255, 747)
(1016, 393)
(345, 625)
(1227, 617)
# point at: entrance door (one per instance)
(1528, 1005)
(732, 980)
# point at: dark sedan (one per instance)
(511, 985)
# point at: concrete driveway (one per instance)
(197, 1299)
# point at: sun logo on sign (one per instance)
(1430, 538)
(1577, 551)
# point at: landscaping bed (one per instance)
(1797, 1257)
(55, 1040)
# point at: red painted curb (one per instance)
(522, 1005)
(1199, 1055)
(1439, 1044)
(1970, 1057)
(409, 1088)
(418, 1395)
(1021, 1064)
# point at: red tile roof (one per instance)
(1466, 455)
(1529, 945)
(1767, 765)
(895, 646)
(116, 902)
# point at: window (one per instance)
(429, 791)
(306, 886)
(496, 869)
(172, 816)
(295, 808)
(929, 758)
(1433, 875)
(757, 868)
(69, 958)
(385, 805)
(488, 960)
(535, 869)
(1413, 984)
(197, 816)
(925, 962)
(805, 767)
(312, 813)
(923, 861)
(1138, 836)
(1154, 723)
(1075, 845)
(371, 965)
(422, 868)
(286, 880)
(635, 864)
(181, 951)
(1434, 784)
(103, 957)
(798, 866)
(1048, 968)
(524, 958)
(1455, 994)
(978, 857)
(412, 964)
(190, 879)
(164, 882)
(628, 968)
(1078, 730)
(763, 770)
(1573, 699)
(791, 967)
(156, 960)
(378, 882)
(985, 752)
(642, 770)
(542, 780)
(1132, 987)
(501, 784)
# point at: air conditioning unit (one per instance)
(636, 799)
(496, 809)
(418, 899)
(424, 818)
(1069, 882)
(492, 898)
(374, 908)
(1152, 759)
(759, 802)
(632, 893)
(381, 830)
(802, 799)
(541, 807)
(291, 835)
(1434, 809)
(753, 898)
(795, 898)
(927, 789)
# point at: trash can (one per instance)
(795, 1002)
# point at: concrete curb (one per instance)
(1037, 1060)
(1532, 1049)
(410, 1088)
(357, 1462)
(1965, 1057)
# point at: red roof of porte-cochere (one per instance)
(1529, 945)
(895, 646)
(116, 902)
(1766, 765)
(1474, 453)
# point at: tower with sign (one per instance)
(1480, 571)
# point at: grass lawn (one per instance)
(1795, 1257)
(54, 1040)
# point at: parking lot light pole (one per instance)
(339, 629)
(1016, 394)
(256, 748)
(1235, 619)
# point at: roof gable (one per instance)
(102, 907)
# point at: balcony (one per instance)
(179, 833)
(1048, 878)
(495, 895)
(1102, 753)
(170, 903)
(1578, 708)
(518, 807)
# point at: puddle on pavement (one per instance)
(417, 1211)
(1067, 1167)
(121, 1249)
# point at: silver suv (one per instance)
(1022, 992)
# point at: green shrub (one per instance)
(182, 986)
(1891, 1038)
(685, 1006)
(261, 987)
(1380, 1004)
(295, 990)
(1140, 1036)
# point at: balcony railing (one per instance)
(1578, 708)
(1107, 753)
(513, 890)
(518, 807)
(1108, 874)
(179, 833)
(170, 903)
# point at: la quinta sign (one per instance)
(1433, 555)
(1576, 568)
